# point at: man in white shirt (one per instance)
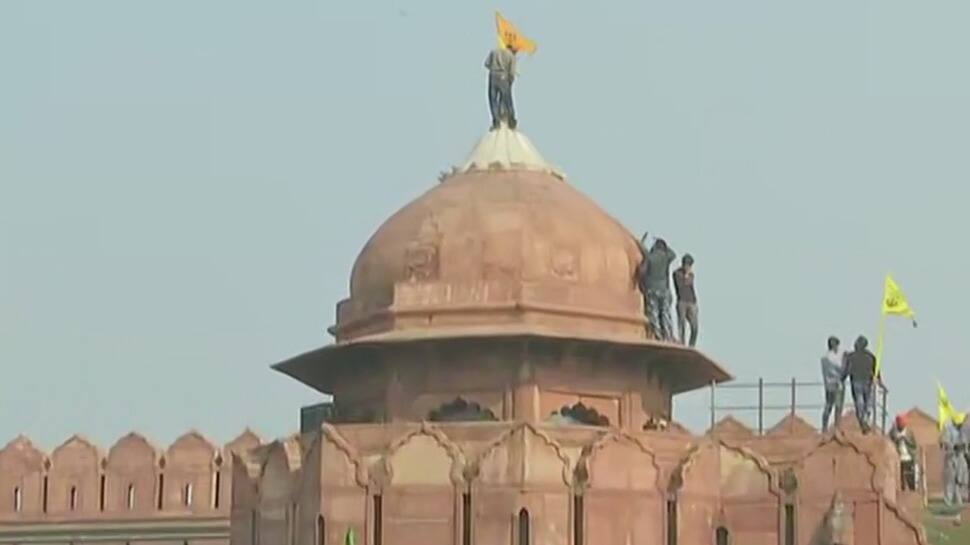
(906, 448)
(833, 378)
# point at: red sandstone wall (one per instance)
(624, 496)
(81, 482)
(611, 486)
(292, 491)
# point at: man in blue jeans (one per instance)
(501, 74)
(653, 277)
(833, 378)
(861, 369)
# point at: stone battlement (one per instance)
(133, 479)
(491, 478)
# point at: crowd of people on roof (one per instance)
(859, 367)
(653, 278)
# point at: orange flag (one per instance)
(510, 37)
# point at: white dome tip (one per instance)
(506, 149)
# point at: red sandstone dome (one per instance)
(505, 252)
(499, 249)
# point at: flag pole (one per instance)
(877, 381)
(879, 342)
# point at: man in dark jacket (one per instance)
(653, 276)
(861, 369)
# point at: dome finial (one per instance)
(506, 149)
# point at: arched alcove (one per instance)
(424, 485)
(727, 488)
(579, 414)
(622, 496)
(523, 527)
(722, 536)
(460, 410)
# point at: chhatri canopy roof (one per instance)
(502, 248)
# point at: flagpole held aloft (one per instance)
(880, 338)
(894, 303)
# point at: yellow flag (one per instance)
(894, 303)
(510, 38)
(944, 409)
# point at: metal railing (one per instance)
(878, 413)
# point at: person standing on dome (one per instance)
(653, 275)
(501, 73)
(686, 300)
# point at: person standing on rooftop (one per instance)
(654, 279)
(501, 74)
(906, 448)
(686, 300)
(861, 370)
(833, 378)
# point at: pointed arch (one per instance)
(618, 460)
(189, 460)
(244, 442)
(334, 484)
(524, 527)
(131, 470)
(75, 477)
(22, 468)
(722, 536)
(841, 462)
(277, 489)
(704, 461)
(622, 492)
(187, 490)
(543, 460)
(424, 456)
(245, 478)
(744, 490)
(277, 474)
(423, 473)
(321, 531)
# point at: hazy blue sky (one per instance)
(184, 184)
